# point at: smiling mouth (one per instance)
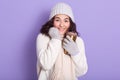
(61, 30)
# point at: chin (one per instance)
(62, 33)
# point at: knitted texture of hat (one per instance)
(62, 8)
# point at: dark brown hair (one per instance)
(45, 28)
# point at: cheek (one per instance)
(56, 24)
(67, 26)
(66, 29)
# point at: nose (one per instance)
(62, 24)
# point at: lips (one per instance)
(61, 30)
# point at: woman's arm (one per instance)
(79, 59)
(47, 51)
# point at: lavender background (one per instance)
(98, 21)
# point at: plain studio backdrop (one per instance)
(98, 22)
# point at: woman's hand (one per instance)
(70, 46)
(54, 33)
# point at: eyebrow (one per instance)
(59, 17)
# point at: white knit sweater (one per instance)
(47, 54)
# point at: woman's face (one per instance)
(62, 23)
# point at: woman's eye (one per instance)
(66, 21)
(56, 20)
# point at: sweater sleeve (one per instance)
(80, 60)
(47, 51)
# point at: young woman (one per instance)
(53, 63)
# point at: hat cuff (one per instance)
(62, 8)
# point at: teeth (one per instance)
(61, 30)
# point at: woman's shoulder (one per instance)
(79, 39)
(42, 37)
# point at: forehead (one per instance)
(62, 16)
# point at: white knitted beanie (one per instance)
(61, 8)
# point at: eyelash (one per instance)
(65, 20)
(59, 20)
(56, 20)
